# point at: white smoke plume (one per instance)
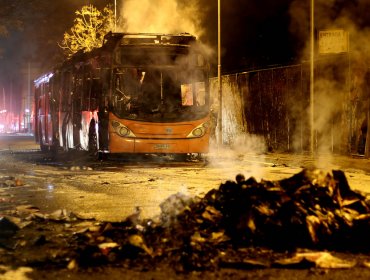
(161, 16)
(334, 96)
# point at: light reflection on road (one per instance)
(111, 190)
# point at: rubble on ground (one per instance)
(10, 181)
(242, 224)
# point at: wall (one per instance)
(274, 103)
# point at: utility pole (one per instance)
(115, 15)
(220, 140)
(312, 83)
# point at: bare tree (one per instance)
(90, 27)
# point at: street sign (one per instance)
(333, 41)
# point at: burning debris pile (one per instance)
(312, 210)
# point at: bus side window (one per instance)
(40, 106)
(66, 91)
(96, 88)
(54, 85)
(86, 88)
(105, 86)
(77, 92)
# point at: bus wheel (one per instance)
(54, 148)
(93, 140)
(102, 156)
(43, 147)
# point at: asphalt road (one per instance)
(110, 191)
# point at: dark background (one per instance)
(255, 34)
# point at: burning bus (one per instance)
(138, 93)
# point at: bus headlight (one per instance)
(199, 131)
(122, 130)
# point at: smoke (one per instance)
(244, 153)
(245, 156)
(161, 16)
(257, 33)
(335, 85)
(331, 14)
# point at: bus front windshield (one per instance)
(160, 94)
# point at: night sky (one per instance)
(255, 34)
(252, 34)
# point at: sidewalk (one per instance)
(17, 141)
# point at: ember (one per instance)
(228, 227)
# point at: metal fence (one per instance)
(274, 103)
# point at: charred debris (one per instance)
(242, 224)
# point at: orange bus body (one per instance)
(138, 93)
(164, 138)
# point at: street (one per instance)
(111, 190)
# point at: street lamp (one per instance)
(219, 75)
(115, 15)
(312, 84)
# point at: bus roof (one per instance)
(112, 40)
(184, 39)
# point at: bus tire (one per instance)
(101, 156)
(54, 148)
(43, 147)
(93, 140)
